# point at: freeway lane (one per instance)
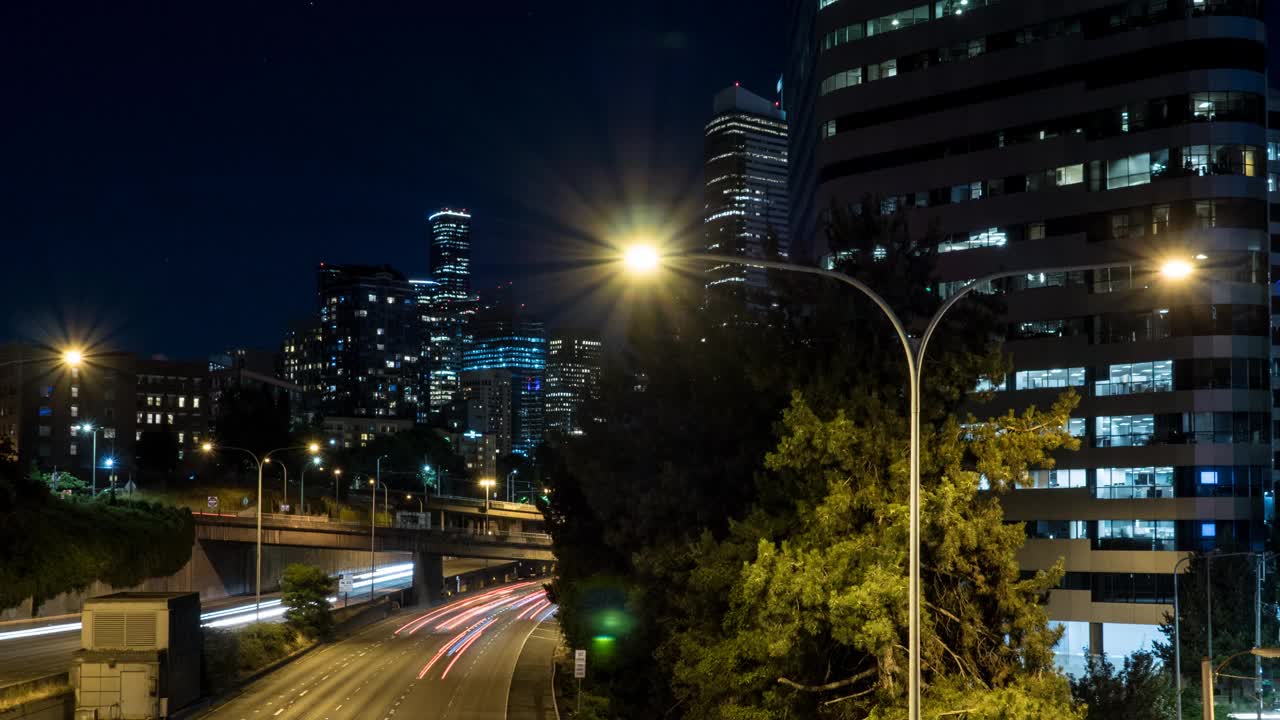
(453, 662)
(27, 653)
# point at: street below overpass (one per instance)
(484, 657)
(34, 650)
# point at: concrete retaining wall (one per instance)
(61, 707)
(217, 570)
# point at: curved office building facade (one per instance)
(1041, 135)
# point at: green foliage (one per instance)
(816, 621)
(305, 589)
(1233, 611)
(733, 570)
(1139, 690)
(234, 653)
(59, 481)
(52, 545)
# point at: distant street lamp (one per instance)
(209, 447)
(302, 485)
(337, 475)
(487, 484)
(643, 259)
(284, 483)
(71, 357)
(1208, 672)
(373, 519)
(93, 462)
(410, 497)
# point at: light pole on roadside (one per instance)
(208, 447)
(90, 428)
(644, 259)
(409, 496)
(302, 484)
(337, 476)
(373, 520)
(284, 482)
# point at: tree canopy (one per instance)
(51, 545)
(738, 511)
(305, 590)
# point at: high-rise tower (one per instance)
(1041, 135)
(450, 257)
(573, 377)
(370, 342)
(505, 337)
(446, 303)
(745, 192)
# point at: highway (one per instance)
(453, 662)
(33, 652)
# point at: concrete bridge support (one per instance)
(428, 577)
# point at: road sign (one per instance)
(579, 664)
(344, 583)
(285, 507)
(213, 502)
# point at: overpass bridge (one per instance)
(492, 540)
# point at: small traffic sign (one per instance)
(344, 583)
(213, 502)
(579, 664)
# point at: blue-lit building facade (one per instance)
(446, 303)
(370, 342)
(1041, 135)
(504, 337)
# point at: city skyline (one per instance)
(163, 158)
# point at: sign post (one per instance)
(344, 586)
(579, 672)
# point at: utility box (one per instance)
(140, 655)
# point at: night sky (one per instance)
(173, 171)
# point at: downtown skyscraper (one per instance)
(746, 211)
(1037, 135)
(446, 302)
(505, 337)
(573, 378)
(370, 342)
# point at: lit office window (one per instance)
(1123, 430)
(1056, 478)
(1049, 378)
(1134, 483)
(1133, 378)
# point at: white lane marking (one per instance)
(338, 708)
(277, 712)
(304, 692)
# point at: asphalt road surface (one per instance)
(452, 662)
(24, 657)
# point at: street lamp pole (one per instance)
(284, 483)
(302, 486)
(93, 472)
(373, 520)
(648, 259)
(257, 582)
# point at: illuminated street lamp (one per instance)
(409, 496)
(284, 482)
(1208, 672)
(302, 480)
(645, 259)
(337, 475)
(71, 357)
(89, 428)
(209, 447)
(487, 484)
